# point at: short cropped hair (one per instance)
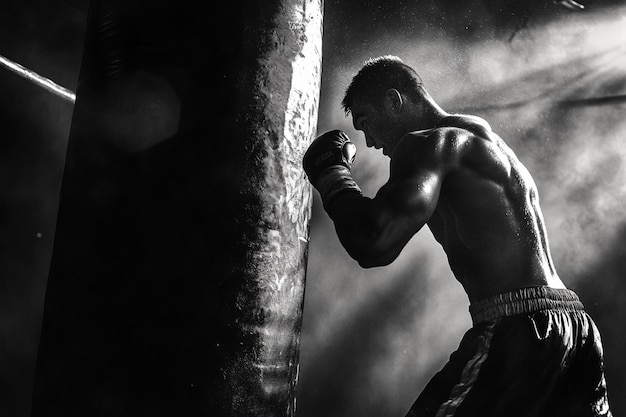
(377, 76)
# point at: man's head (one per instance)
(379, 75)
(387, 100)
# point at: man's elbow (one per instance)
(377, 248)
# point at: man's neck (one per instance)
(430, 114)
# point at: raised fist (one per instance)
(330, 149)
(327, 163)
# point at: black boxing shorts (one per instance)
(531, 352)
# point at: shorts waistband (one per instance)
(522, 301)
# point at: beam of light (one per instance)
(574, 102)
(571, 5)
(603, 67)
(40, 80)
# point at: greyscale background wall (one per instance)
(551, 80)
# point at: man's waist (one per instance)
(523, 301)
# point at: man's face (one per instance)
(375, 124)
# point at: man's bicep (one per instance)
(411, 201)
(418, 171)
(374, 231)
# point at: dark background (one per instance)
(550, 80)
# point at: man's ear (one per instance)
(393, 101)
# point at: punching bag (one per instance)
(177, 276)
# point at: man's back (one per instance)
(488, 218)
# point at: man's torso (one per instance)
(488, 219)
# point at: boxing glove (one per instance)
(327, 164)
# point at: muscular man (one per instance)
(532, 350)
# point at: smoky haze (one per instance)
(552, 83)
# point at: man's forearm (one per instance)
(334, 182)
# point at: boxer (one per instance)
(532, 349)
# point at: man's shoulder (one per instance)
(456, 141)
(431, 147)
(474, 124)
(450, 128)
(439, 140)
